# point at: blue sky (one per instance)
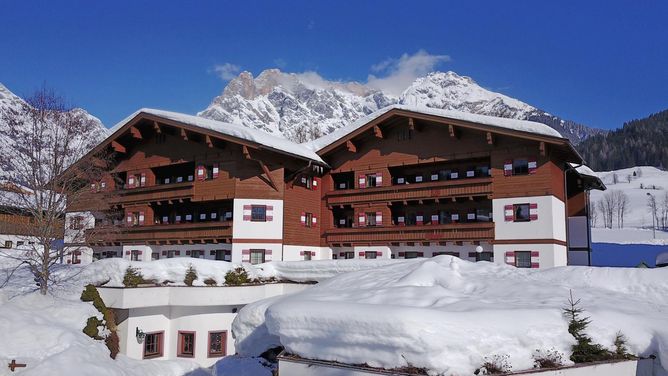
(598, 63)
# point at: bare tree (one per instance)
(663, 220)
(653, 208)
(615, 178)
(46, 137)
(593, 216)
(629, 178)
(608, 206)
(621, 202)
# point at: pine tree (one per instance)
(585, 350)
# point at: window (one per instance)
(223, 255)
(153, 345)
(8, 244)
(370, 255)
(520, 166)
(155, 256)
(257, 256)
(171, 254)
(75, 257)
(411, 255)
(371, 219)
(371, 181)
(197, 254)
(258, 213)
(134, 255)
(484, 256)
(521, 213)
(523, 259)
(307, 255)
(76, 222)
(186, 345)
(19, 243)
(349, 255)
(308, 221)
(217, 344)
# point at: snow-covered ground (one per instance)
(45, 332)
(655, 182)
(448, 315)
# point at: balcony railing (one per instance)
(160, 192)
(418, 191)
(384, 234)
(182, 232)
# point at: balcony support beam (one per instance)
(542, 148)
(490, 138)
(377, 132)
(351, 147)
(117, 147)
(453, 131)
(184, 134)
(135, 132)
(156, 127)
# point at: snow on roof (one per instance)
(514, 124)
(583, 170)
(237, 131)
(449, 315)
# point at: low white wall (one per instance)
(296, 252)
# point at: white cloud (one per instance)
(226, 71)
(401, 72)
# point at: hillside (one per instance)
(642, 142)
(304, 106)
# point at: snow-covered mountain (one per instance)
(304, 106)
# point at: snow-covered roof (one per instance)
(513, 124)
(583, 170)
(234, 130)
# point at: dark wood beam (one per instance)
(453, 131)
(490, 138)
(245, 152)
(268, 173)
(542, 148)
(135, 132)
(156, 127)
(411, 124)
(118, 147)
(208, 141)
(377, 132)
(351, 147)
(184, 134)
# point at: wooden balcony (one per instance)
(154, 193)
(418, 191)
(386, 234)
(183, 233)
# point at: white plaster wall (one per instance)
(551, 222)
(147, 250)
(147, 319)
(550, 255)
(292, 252)
(257, 230)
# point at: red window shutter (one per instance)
(216, 170)
(92, 187)
(247, 212)
(301, 253)
(362, 181)
(312, 253)
(379, 218)
(303, 219)
(128, 218)
(269, 213)
(402, 254)
(341, 254)
(140, 252)
(535, 259)
(361, 254)
(533, 166)
(314, 221)
(510, 257)
(177, 253)
(142, 179)
(127, 253)
(508, 167)
(434, 219)
(379, 253)
(420, 254)
(201, 172)
(533, 212)
(419, 219)
(508, 213)
(267, 252)
(315, 184)
(361, 220)
(164, 253)
(141, 217)
(379, 180)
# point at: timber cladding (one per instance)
(299, 201)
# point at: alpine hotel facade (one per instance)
(400, 183)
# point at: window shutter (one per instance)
(361, 254)
(142, 180)
(247, 212)
(314, 185)
(301, 253)
(508, 168)
(379, 180)
(535, 259)
(434, 219)
(379, 218)
(312, 253)
(420, 254)
(267, 252)
(164, 253)
(245, 255)
(302, 219)
(402, 254)
(341, 254)
(92, 187)
(508, 213)
(401, 221)
(533, 212)
(141, 217)
(201, 172)
(140, 252)
(177, 253)
(269, 213)
(131, 181)
(379, 253)
(314, 221)
(128, 218)
(362, 181)
(532, 165)
(127, 253)
(510, 257)
(362, 220)
(215, 171)
(419, 219)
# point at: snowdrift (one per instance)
(448, 315)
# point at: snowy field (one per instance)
(448, 315)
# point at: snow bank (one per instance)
(447, 314)
(110, 272)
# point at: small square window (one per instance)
(371, 219)
(134, 255)
(520, 166)
(308, 221)
(307, 255)
(371, 181)
(217, 344)
(411, 255)
(258, 213)
(521, 213)
(485, 256)
(186, 347)
(257, 256)
(370, 255)
(349, 255)
(155, 256)
(153, 345)
(523, 259)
